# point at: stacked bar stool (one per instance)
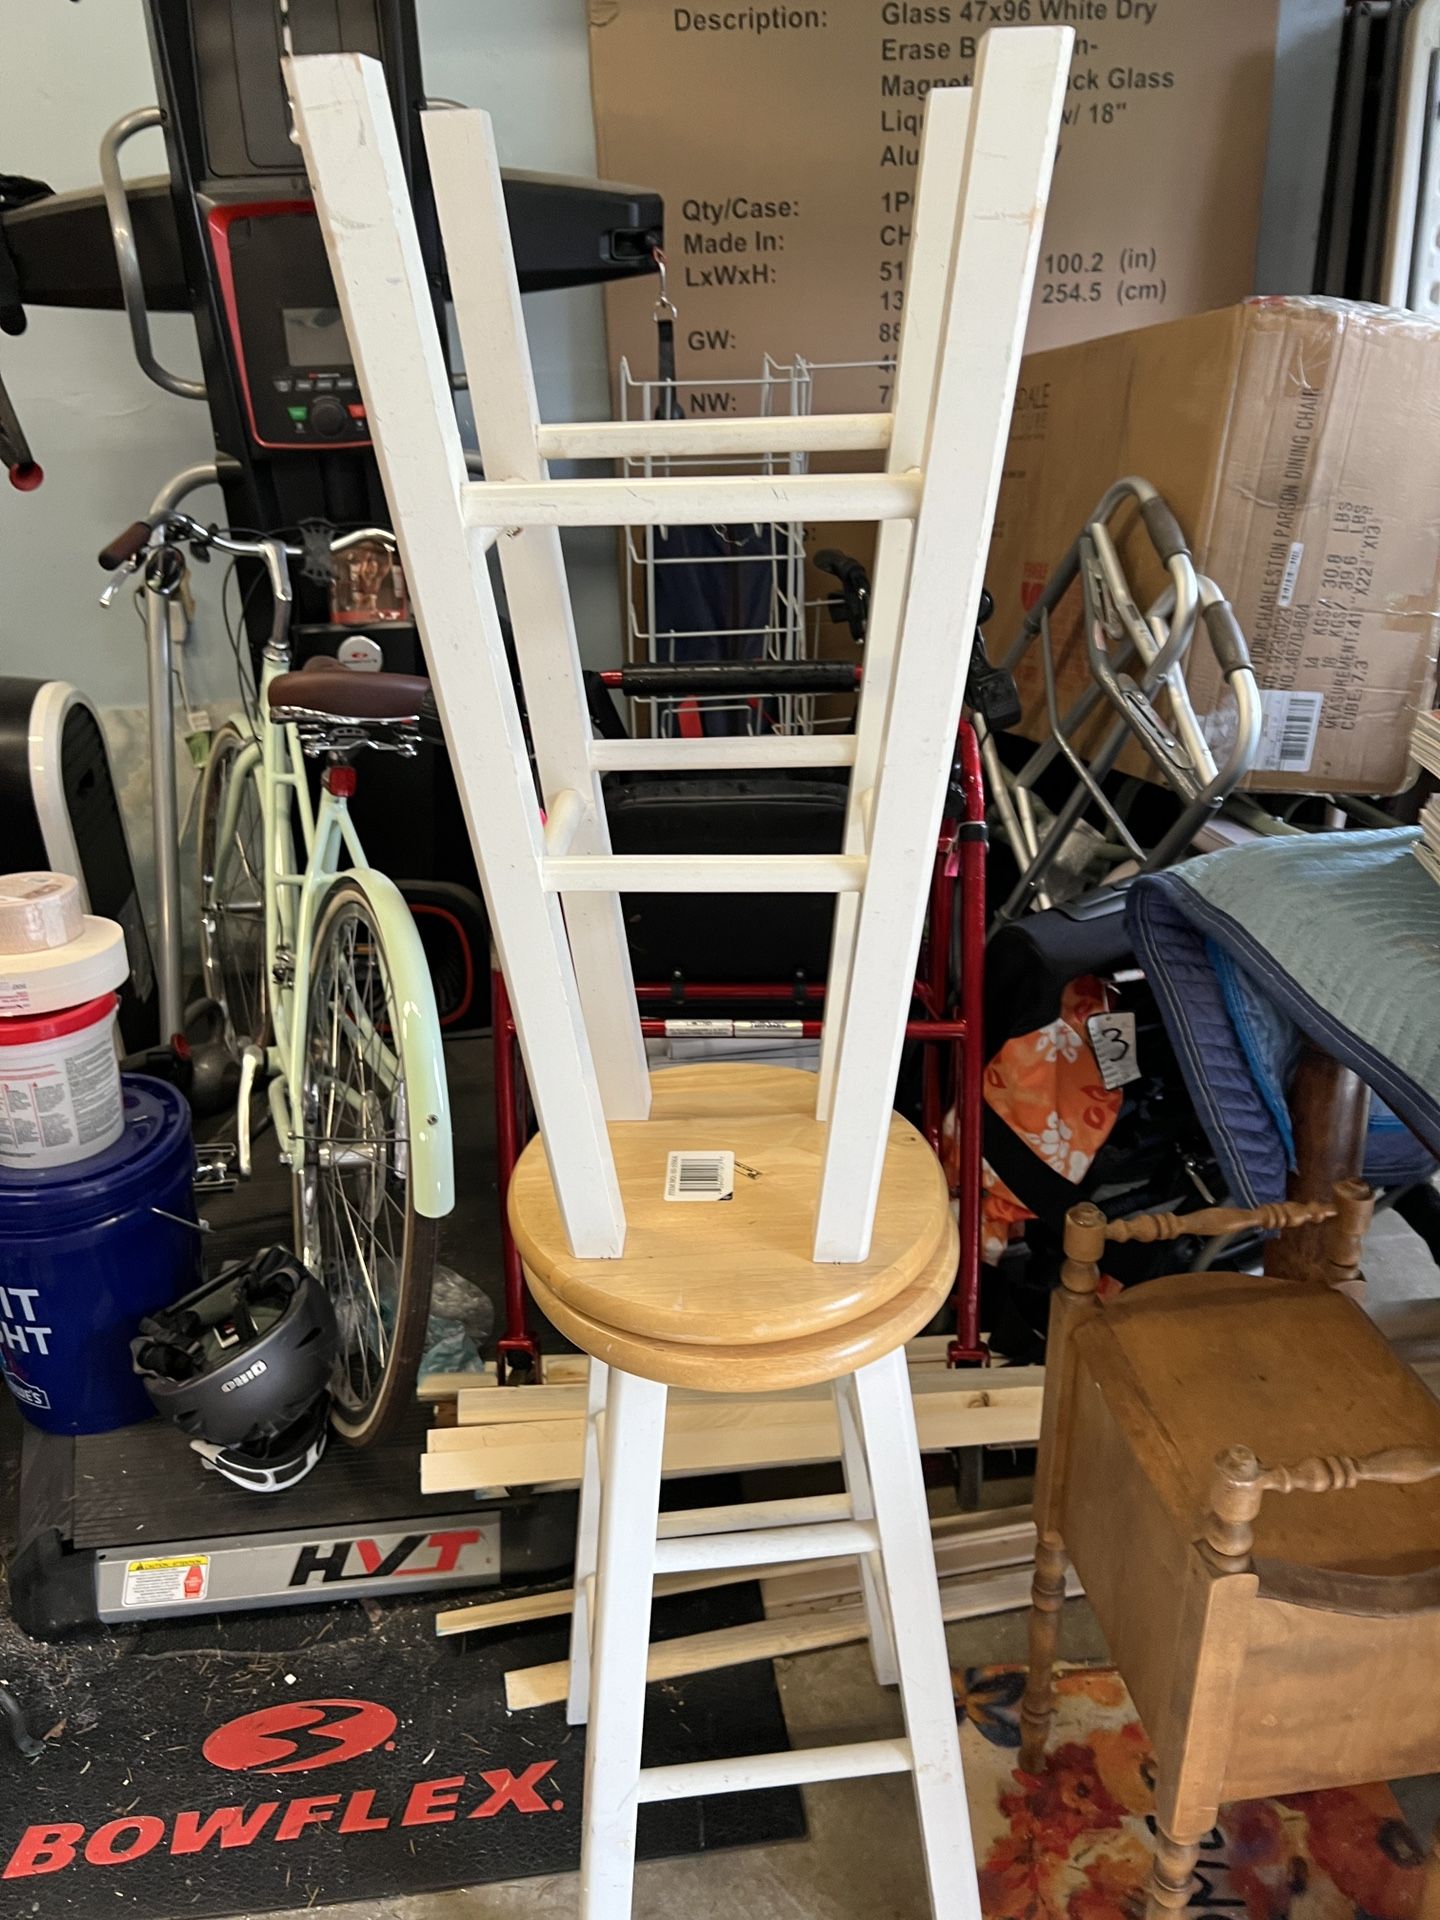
(722, 1227)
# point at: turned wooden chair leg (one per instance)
(1329, 1110)
(1170, 1878)
(1072, 1304)
(1047, 1600)
(1428, 1905)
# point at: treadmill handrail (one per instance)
(127, 258)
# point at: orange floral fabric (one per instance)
(1046, 1087)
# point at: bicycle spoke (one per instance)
(347, 1310)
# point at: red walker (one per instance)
(947, 1021)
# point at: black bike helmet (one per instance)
(244, 1359)
(270, 1466)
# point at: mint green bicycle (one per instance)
(315, 964)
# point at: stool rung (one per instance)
(757, 1513)
(749, 753)
(713, 439)
(688, 500)
(858, 1761)
(769, 1546)
(704, 873)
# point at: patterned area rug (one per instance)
(1076, 1843)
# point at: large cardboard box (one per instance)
(1298, 443)
(785, 139)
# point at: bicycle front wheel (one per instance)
(355, 1220)
(232, 892)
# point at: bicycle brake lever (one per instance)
(251, 1062)
(110, 592)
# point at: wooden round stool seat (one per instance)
(763, 1367)
(734, 1273)
(714, 1089)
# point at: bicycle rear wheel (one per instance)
(232, 894)
(355, 1220)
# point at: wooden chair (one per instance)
(1247, 1481)
(836, 1244)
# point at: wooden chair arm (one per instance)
(1275, 1218)
(1240, 1483)
(1348, 1213)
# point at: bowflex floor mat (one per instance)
(243, 1764)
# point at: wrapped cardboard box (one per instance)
(1298, 442)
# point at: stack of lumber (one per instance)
(534, 1436)
(529, 1436)
(983, 1561)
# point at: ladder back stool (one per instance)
(737, 1227)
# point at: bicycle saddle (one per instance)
(324, 688)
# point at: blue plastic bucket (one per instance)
(85, 1252)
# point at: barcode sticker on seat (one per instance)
(700, 1176)
(1291, 723)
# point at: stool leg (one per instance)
(872, 1584)
(1171, 1875)
(587, 1535)
(620, 1641)
(887, 1427)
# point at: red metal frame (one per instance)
(947, 1021)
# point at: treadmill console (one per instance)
(297, 379)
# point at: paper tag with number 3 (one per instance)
(1112, 1035)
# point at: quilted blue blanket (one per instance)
(1335, 937)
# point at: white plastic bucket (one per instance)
(59, 1086)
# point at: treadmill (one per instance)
(120, 1528)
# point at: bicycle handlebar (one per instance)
(137, 536)
(171, 527)
(125, 546)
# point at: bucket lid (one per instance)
(24, 1032)
(47, 978)
(145, 1159)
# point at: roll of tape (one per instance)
(50, 978)
(38, 910)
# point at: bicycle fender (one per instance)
(432, 1159)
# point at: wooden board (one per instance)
(477, 1401)
(561, 1369)
(964, 1543)
(557, 1604)
(968, 1598)
(714, 1433)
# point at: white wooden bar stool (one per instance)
(837, 1244)
(729, 1270)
